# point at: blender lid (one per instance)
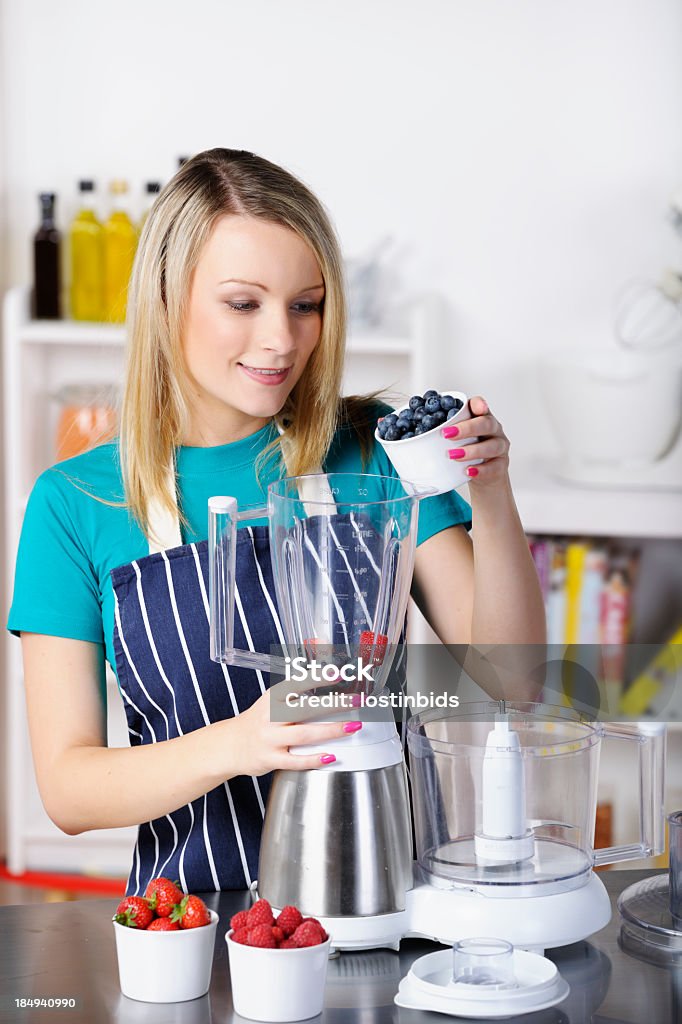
(647, 930)
(428, 985)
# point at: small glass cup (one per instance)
(675, 866)
(484, 962)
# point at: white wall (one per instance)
(522, 153)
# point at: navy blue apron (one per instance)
(171, 687)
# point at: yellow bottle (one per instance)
(86, 258)
(120, 241)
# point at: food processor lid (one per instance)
(648, 931)
(428, 986)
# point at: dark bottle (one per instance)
(46, 263)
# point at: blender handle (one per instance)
(650, 737)
(223, 517)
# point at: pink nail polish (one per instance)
(472, 471)
(449, 432)
(456, 453)
(352, 726)
(327, 759)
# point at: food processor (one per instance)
(504, 793)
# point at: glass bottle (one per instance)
(86, 248)
(120, 241)
(46, 262)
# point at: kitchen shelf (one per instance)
(549, 506)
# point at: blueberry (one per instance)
(438, 417)
(419, 429)
(447, 402)
(382, 427)
(392, 434)
(416, 401)
(391, 419)
(430, 394)
(452, 412)
(419, 413)
(428, 422)
(409, 433)
(458, 404)
(407, 415)
(432, 404)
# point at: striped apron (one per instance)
(171, 687)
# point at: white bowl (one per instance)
(278, 984)
(614, 407)
(423, 460)
(165, 967)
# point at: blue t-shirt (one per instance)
(70, 541)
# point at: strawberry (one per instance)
(134, 912)
(260, 913)
(288, 920)
(163, 924)
(238, 920)
(369, 640)
(191, 912)
(308, 934)
(262, 937)
(163, 895)
(241, 935)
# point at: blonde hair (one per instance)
(155, 403)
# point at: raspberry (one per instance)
(262, 937)
(288, 920)
(288, 944)
(260, 913)
(239, 920)
(241, 935)
(278, 934)
(308, 934)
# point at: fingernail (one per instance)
(472, 471)
(352, 726)
(449, 432)
(356, 700)
(456, 453)
(327, 758)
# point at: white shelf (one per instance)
(77, 332)
(548, 505)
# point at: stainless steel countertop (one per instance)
(67, 950)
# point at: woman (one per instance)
(236, 337)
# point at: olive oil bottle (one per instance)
(120, 241)
(86, 258)
(46, 262)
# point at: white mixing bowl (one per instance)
(612, 407)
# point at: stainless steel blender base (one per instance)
(338, 844)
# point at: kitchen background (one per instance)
(511, 168)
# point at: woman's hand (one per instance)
(260, 745)
(492, 446)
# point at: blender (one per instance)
(504, 794)
(336, 843)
